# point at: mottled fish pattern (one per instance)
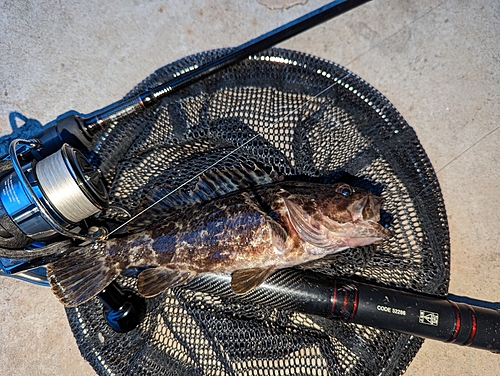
(247, 231)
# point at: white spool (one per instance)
(60, 188)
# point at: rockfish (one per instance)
(231, 227)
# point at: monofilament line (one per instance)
(224, 157)
(186, 182)
(454, 159)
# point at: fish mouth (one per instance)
(366, 208)
(365, 213)
(371, 210)
(366, 233)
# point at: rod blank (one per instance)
(101, 119)
(376, 306)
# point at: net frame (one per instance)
(312, 120)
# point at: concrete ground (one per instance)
(437, 61)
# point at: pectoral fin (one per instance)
(154, 281)
(245, 280)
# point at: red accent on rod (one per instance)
(474, 326)
(334, 300)
(344, 305)
(354, 305)
(458, 322)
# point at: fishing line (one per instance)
(339, 80)
(396, 32)
(281, 119)
(455, 158)
(470, 147)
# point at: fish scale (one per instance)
(233, 232)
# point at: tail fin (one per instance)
(80, 275)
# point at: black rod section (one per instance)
(122, 109)
(78, 130)
(376, 306)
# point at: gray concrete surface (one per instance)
(437, 61)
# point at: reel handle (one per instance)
(123, 309)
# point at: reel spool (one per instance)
(50, 197)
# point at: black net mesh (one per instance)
(308, 119)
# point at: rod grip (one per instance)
(405, 312)
(428, 317)
(366, 304)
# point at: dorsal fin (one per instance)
(211, 184)
(216, 183)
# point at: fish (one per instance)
(230, 223)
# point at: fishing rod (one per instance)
(451, 320)
(79, 130)
(457, 320)
(348, 301)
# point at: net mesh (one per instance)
(309, 119)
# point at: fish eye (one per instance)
(345, 190)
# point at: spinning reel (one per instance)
(50, 197)
(48, 190)
(46, 195)
(43, 200)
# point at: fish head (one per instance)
(337, 217)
